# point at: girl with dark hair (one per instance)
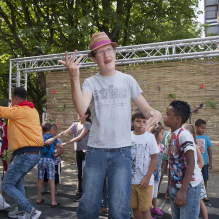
(80, 132)
(158, 132)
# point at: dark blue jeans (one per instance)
(12, 183)
(116, 165)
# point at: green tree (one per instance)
(33, 28)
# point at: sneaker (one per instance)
(77, 198)
(156, 211)
(56, 192)
(33, 215)
(44, 191)
(3, 203)
(206, 199)
(15, 213)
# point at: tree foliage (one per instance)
(33, 28)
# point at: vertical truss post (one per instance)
(10, 73)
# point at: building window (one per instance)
(211, 12)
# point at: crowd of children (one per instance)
(186, 149)
(184, 161)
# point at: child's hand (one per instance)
(210, 165)
(180, 199)
(144, 183)
(84, 151)
(49, 141)
(167, 195)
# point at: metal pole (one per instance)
(10, 72)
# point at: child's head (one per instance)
(138, 120)
(191, 129)
(177, 113)
(157, 131)
(46, 126)
(53, 130)
(85, 116)
(200, 126)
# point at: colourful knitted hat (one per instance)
(98, 40)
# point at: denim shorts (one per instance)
(192, 204)
(205, 172)
(116, 165)
(47, 164)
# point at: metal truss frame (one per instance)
(153, 52)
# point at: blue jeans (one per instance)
(205, 172)
(12, 183)
(192, 205)
(116, 165)
(105, 194)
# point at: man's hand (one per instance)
(144, 183)
(155, 117)
(72, 67)
(210, 165)
(180, 199)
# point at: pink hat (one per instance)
(98, 40)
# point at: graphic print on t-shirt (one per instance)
(177, 163)
(110, 96)
(201, 145)
(138, 158)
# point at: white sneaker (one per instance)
(3, 203)
(33, 215)
(15, 214)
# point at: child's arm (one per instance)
(200, 158)
(180, 198)
(167, 195)
(210, 157)
(60, 135)
(78, 138)
(145, 181)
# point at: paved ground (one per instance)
(68, 207)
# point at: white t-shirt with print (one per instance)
(111, 109)
(178, 159)
(143, 146)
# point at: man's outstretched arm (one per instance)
(151, 114)
(80, 100)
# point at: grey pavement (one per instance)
(68, 207)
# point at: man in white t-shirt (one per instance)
(184, 185)
(108, 153)
(144, 159)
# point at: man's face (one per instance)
(106, 62)
(169, 118)
(200, 129)
(14, 101)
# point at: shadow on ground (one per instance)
(68, 207)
